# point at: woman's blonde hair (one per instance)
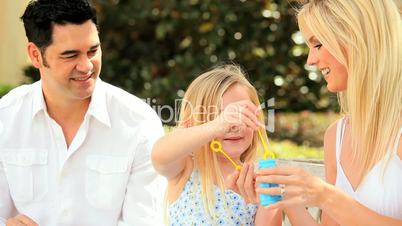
(366, 37)
(201, 103)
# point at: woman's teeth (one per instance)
(325, 71)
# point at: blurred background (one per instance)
(155, 48)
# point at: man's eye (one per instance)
(70, 56)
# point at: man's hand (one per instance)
(21, 220)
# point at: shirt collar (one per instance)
(97, 107)
(38, 102)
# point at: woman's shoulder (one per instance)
(330, 132)
(330, 151)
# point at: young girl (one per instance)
(357, 46)
(218, 105)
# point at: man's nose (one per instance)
(85, 65)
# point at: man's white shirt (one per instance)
(105, 177)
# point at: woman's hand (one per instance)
(297, 187)
(243, 183)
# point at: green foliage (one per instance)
(289, 150)
(4, 89)
(154, 48)
(304, 128)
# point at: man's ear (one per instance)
(35, 54)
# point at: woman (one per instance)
(357, 45)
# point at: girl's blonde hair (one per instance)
(201, 103)
(366, 37)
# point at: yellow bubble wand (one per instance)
(264, 145)
(216, 146)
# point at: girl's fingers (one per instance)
(252, 121)
(252, 107)
(231, 181)
(249, 184)
(241, 180)
(243, 111)
(241, 117)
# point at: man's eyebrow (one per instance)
(95, 46)
(69, 52)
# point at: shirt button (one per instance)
(26, 160)
(42, 158)
(65, 213)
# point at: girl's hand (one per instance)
(243, 183)
(296, 185)
(235, 116)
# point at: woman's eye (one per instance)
(318, 46)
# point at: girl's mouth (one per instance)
(233, 139)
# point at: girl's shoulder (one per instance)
(177, 184)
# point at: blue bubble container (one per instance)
(266, 200)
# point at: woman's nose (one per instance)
(312, 58)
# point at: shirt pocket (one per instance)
(27, 174)
(106, 180)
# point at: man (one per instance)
(74, 150)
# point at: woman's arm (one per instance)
(330, 166)
(298, 214)
(348, 210)
(306, 190)
(268, 217)
(303, 189)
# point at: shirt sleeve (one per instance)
(145, 189)
(7, 208)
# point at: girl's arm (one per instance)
(170, 152)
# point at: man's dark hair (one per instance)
(40, 16)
